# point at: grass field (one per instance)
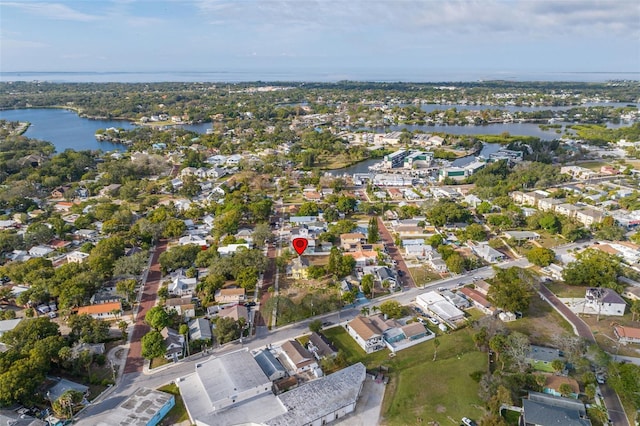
(422, 276)
(564, 290)
(541, 323)
(419, 388)
(179, 412)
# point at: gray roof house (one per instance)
(541, 355)
(200, 329)
(320, 346)
(546, 410)
(270, 365)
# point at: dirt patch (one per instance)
(441, 409)
(119, 353)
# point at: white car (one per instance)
(433, 321)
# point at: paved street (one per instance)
(135, 362)
(394, 252)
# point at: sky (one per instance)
(335, 37)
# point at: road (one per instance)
(135, 361)
(134, 379)
(394, 252)
(611, 399)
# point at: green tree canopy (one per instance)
(153, 345)
(593, 268)
(511, 289)
(541, 256)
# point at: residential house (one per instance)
(532, 198)
(631, 293)
(104, 296)
(363, 257)
(102, 311)
(320, 346)
(77, 257)
(230, 295)
(230, 249)
(63, 385)
(235, 312)
(605, 301)
(312, 195)
(174, 342)
(92, 348)
(552, 386)
(482, 287)
(440, 307)
(486, 252)
(395, 193)
(60, 191)
(351, 241)
(40, 251)
(541, 409)
(182, 305)
(298, 358)
(8, 325)
(181, 285)
(436, 263)
(299, 268)
(541, 357)
(193, 239)
(385, 274)
(517, 197)
(455, 299)
(478, 300)
(200, 329)
(521, 235)
(627, 334)
(109, 190)
(270, 365)
(366, 334)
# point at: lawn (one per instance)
(425, 391)
(563, 290)
(512, 417)
(179, 412)
(541, 323)
(420, 387)
(157, 362)
(422, 276)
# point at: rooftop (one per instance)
(138, 409)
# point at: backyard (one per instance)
(178, 413)
(541, 323)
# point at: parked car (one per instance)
(250, 304)
(433, 321)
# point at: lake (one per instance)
(65, 129)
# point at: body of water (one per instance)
(522, 129)
(513, 108)
(65, 129)
(316, 75)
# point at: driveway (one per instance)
(367, 411)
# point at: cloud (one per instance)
(13, 44)
(55, 11)
(540, 18)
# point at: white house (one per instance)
(605, 301)
(298, 358)
(181, 285)
(231, 249)
(40, 251)
(77, 257)
(486, 252)
(366, 334)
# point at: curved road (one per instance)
(135, 361)
(611, 399)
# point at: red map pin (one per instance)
(300, 245)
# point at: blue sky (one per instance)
(330, 36)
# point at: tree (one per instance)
(373, 234)
(541, 256)
(593, 268)
(497, 344)
(153, 345)
(174, 228)
(590, 391)
(308, 208)
(367, 284)
(261, 234)
(127, 289)
(565, 389)
(157, 318)
(455, 263)
(179, 257)
(104, 254)
(501, 397)
(364, 311)
(475, 232)
(130, 265)
(315, 326)
(226, 330)
(557, 365)
(28, 332)
(517, 348)
(511, 289)
(436, 343)
(87, 329)
(635, 309)
(392, 309)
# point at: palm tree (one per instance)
(375, 309)
(364, 311)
